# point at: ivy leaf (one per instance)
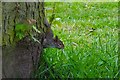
(21, 30)
(19, 35)
(22, 27)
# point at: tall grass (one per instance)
(90, 35)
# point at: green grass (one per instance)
(87, 54)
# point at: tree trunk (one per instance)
(21, 56)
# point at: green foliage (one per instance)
(88, 53)
(22, 30)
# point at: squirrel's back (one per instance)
(49, 40)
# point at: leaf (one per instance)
(19, 35)
(22, 27)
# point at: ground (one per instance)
(90, 35)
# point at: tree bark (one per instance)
(21, 57)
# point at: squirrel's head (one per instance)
(58, 43)
(53, 43)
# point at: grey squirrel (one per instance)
(50, 40)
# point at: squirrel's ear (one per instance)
(56, 38)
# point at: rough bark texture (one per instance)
(20, 59)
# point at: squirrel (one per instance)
(50, 40)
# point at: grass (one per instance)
(88, 53)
